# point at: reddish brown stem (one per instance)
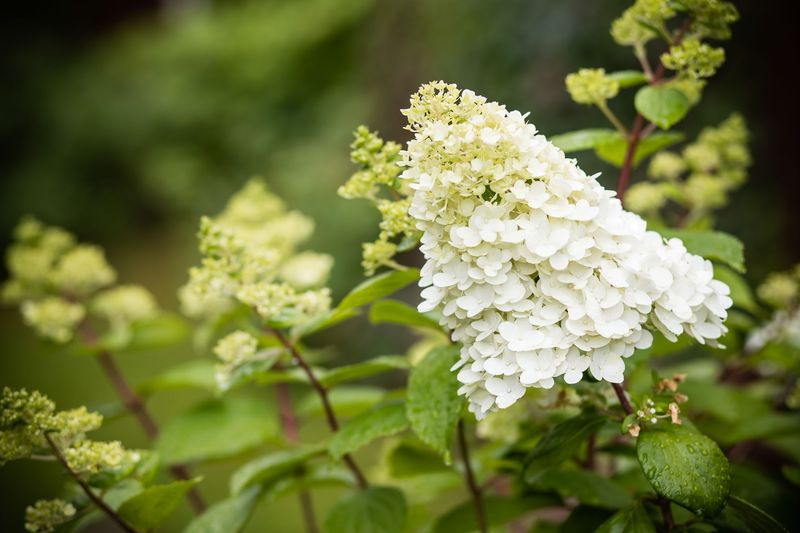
(623, 398)
(474, 489)
(666, 512)
(97, 500)
(322, 392)
(291, 429)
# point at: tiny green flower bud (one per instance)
(693, 59)
(667, 166)
(123, 305)
(82, 270)
(591, 86)
(53, 317)
(45, 515)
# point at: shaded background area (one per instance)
(125, 121)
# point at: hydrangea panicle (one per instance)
(537, 269)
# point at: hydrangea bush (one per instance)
(594, 357)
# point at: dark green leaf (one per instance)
(663, 106)
(227, 516)
(409, 459)
(633, 519)
(589, 488)
(686, 467)
(197, 373)
(378, 287)
(396, 312)
(559, 444)
(756, 520)
(614, 150)
(584, 518)
(499, 511)
(268, 468)
(628, 78)
(154, 504)
(714, 245)
(575, 141)
(792, 473)
(374, 510)
(383, 421)
(434, 406)
(216, 429)
(370, 367)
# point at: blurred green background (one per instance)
(125, 121)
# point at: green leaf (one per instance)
(374, 510)
(792, 473)
(395, 312)
(377, 365)
(323, 321)
(756, 520)
(499, 511)
(614, 150)
(409, 459)
(383, 421)
(628, 78)
(686, 467)
(166, 329)
(633, 519)
(154, 504)
(378, 287)
(270, 467)
(217, 428)
(588, 487)
(197, 374)
(663, 106)
(741, 294)
(575, 141)
(714, 245)
(559, 444)
(347, 400)
(433, 405)
(227, 516)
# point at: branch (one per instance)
(103, 506)
(474, 489)
(322, 392)
(134, 403)
(638, 122)
(291, 431)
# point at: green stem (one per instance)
(474, 489)
(603, 106)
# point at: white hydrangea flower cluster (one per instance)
(536, 268)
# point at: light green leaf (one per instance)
(756, 520)
(409, 459)
(370, 367)
(633, 519)
(227, 516)
(613, 151)
(714, 245)
(374, 510)
(575, 141)
(323, 321)
(383, 421)
(433, 405)
(347, 400)
(395, 312)
(197, 374)
(663, 106)
(154, 504)
(166, 329)
(588, 487)
(628, 78)
(378, 287)
(686, 467)
(741, 294)
(270, 467)
(312, 476)
(559, 444)
(217, 428)
(499, 511)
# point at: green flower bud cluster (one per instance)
(235, 350)
(591, 86)
(250, 256)
(379, 175)
(693, 59)
(45, 516)
(90, 457)
(701, 177)
(643, 21)
(711, 18)
(56, 280)
(781, 289)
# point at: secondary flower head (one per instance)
(124, 305)
(45, 516)
(536, 268)
(591, 86)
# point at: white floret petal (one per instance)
(536, 268)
